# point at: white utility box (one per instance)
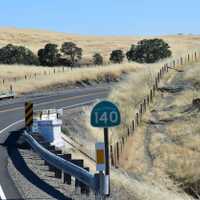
(49, 126)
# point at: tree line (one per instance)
(69, 54)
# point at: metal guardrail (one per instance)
(79, 173)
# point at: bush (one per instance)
(71, 52)
(149, 51)
(11, 54)
(117, 56)
(97, 59)
(49, 56)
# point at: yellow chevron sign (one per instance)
(28, 114)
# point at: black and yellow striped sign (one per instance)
(28, 114)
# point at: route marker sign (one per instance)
(105, 114)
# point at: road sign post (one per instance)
(104, 115)
(28, 115)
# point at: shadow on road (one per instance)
(21, 166)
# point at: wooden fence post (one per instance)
(181, 61)
(148, 100)
(123, 141)
(195, 55)
(160, 73)
(145, 105)
(151, 95)
(133, 125)
(137, 119)
(174, 63)
(167, 69)
(158, 77)
(154, 91)
(156, 82)
(117, 152)
(128, 131)
(11, 88)
(111, 155)
(121, 145)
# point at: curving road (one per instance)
(12, 118)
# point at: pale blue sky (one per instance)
(104, 17)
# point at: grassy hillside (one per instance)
(35, 39)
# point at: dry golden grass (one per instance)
(173, 148)
(69, 77)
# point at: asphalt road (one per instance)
(12, 118)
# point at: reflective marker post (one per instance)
(100, 166)
(107, 162)
(104, 115)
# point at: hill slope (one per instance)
(35, 39)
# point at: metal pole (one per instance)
(107, 171)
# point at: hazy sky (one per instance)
(104, 17)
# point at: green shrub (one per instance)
(117, 56)
(71, 52)
(97, 59)
(12, 54)
(149, 51)
(49, 55)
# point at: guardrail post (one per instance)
(85, 189)
(80, 164)
(67, 178)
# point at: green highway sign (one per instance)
(105, 114)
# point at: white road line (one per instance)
(79, 104)
(2, 195)
(13, 124)
(67, 107)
